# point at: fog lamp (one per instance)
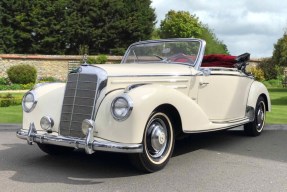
(47, 123)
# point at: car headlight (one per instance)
(29, 101)
(121, 107)
(47, 123)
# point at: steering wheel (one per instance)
(181, 58)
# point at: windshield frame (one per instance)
(197, 61)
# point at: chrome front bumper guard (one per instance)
(89, 143)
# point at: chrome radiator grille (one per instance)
(79, 100)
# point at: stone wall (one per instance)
(46, 65)
(52, 65)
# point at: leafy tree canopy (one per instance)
(280, 51)
(182, 24)
(71, 26)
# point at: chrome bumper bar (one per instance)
(89, 143)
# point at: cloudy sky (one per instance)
(252, 26)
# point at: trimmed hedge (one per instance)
(8, 99)
(22, 74)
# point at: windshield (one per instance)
(182, 52)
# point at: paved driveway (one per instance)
(219, 161)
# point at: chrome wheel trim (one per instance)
(260, 116)
(158, 138)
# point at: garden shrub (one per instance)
(257, 73)
(118, 51)
(22, 74)
(91, 60)
(6, 100)
(48, 79)
(269, 68)
(27, 86)
(4, 81)
(101, 59)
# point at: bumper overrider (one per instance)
(90, 144)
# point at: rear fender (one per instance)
(258, 89)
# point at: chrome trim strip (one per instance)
(154, 75)
(133, 86)
(230, 121)
(218, 129)
(150, 81)
(32, 136)
(222, 74)
(178, 87)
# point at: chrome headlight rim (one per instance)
(129, 107)
(28, 110)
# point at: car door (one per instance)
(222, 94)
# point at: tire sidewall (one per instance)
(148, 162)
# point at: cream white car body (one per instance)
(205, 99)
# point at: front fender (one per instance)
(50, 98)
(145, 99)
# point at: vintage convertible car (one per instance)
(161, 90)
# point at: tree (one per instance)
(213, 44)
(180, 24)
(68, 26)
(280, 51)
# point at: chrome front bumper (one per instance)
(89, 143)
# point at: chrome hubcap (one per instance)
(157, 135)
(260, 116)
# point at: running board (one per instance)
(225, 125)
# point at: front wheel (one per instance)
(256, 127)
(158, 143)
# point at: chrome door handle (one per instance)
(203, 83)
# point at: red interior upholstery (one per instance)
(217, 60)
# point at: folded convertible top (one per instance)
(220, 60)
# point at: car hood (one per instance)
(171, 75)
(122, 70)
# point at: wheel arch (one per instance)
(258, 89)
(174, 116)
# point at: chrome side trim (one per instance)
(221, 128)
(150, 81)
(153, 75)
(230, 121)
(133, 86)
(89, 144)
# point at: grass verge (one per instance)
(278, 114)
(11, 114)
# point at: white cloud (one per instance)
(244, 25)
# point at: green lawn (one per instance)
(12, 114)
(278, 115)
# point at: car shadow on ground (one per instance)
(33, 166)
